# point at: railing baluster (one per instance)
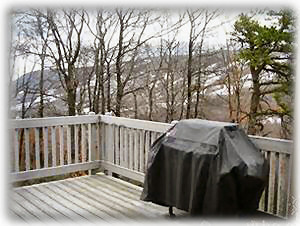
(16, 142)
(45, 136)
(151, 134)
(282, 185)
(76, 130)
(109, 144)
(37, 148)
(136, 150)
(263, 198)
(290, 186)
(126, 147)
(27, 151)
(130, 146)
(147, 146)
(92, 143)
(117, 145)
(83, 143)
(69, 146)
(98, 134)
(122, 148)
(53, 145)
(272, 176)
(103, 136)
(142, 151)
(61, 145)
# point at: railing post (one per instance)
(92, 143)
(109, 147)
(174, 122)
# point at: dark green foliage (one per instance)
(268, 50)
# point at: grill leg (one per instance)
(171, 212)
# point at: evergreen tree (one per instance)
(268, 50)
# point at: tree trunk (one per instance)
(135, 105)
(41, 89)
(254, 101)
(71, 98)
(197, 95)
(189, 80)
(238, 106)
(172, 107)
(229, 98)
(108, 87)
(102, 81)
(95, 97)
(119, 72)
(71, 91)
(167, 99)
(150, 101)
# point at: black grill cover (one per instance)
(205, 167)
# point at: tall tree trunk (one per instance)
(238, 106)
(102, 81)
(119, 72)
(135, 105)
(198, 87)
(172, 107)
(150, 101)
(41, 107)
(189, 80)
(41, 89)
(229, 98)
(108, 87)
(71, 98)
(71, 91)
(167, 99)
(254, 101)
(95, 96)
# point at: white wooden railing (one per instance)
(120, 145)
(49, 141)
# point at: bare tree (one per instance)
(234, 81)
(103, 32)
(199, 71)
(154, 67)
(41, 36)
(66, 33)
(198, 21)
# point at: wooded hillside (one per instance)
(134, 63)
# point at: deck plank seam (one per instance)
(45, 203)
(125, 200)
(74, 203)
(38, 207)
(62, 204)
(132, 198)
(116, 203)
(88, 202)
(98, 199)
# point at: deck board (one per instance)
(88, 198)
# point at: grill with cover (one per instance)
(205, 167)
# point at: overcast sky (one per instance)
(222, 26)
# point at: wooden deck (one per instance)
(87, 198)
(44, 148)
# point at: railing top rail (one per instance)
(136, 123)
(53, 121)
(273, 144)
